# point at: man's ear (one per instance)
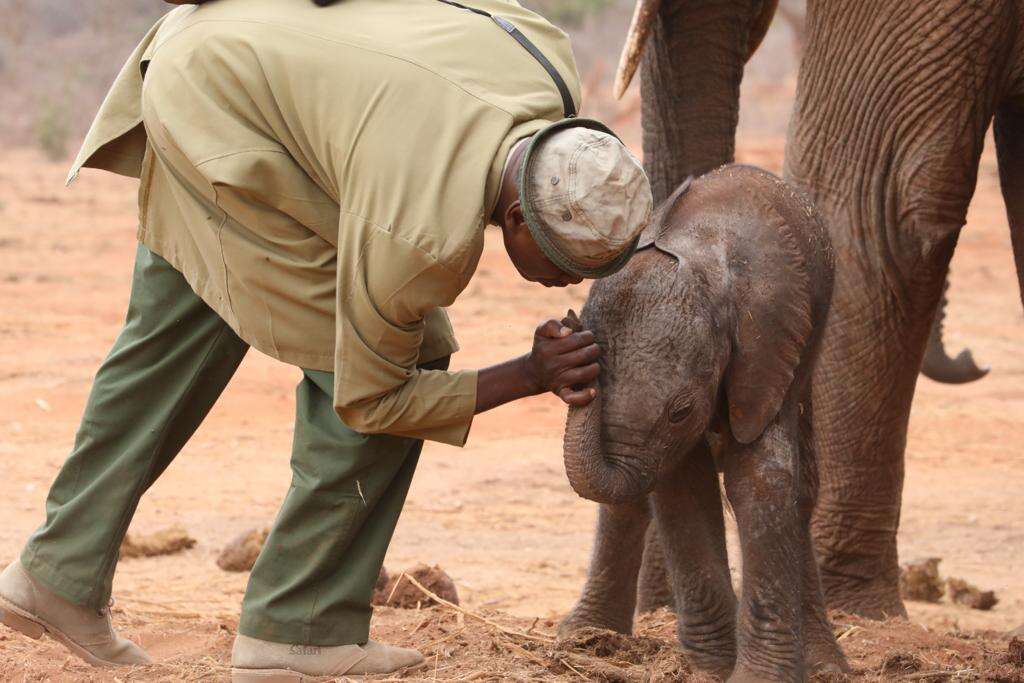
(514, 218)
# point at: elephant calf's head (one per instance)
(713, 317)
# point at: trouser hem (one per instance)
(353, 629)
(70, 589)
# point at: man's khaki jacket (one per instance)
(322, 177)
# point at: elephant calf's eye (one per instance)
(680, 413)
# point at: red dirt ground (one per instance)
(499, 515)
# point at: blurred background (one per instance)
(57, 59)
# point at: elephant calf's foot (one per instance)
(718, 662)
(719, 668)
(582, 617)
(747, 674)
(825, 658)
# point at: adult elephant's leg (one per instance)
(609, 596)
(822, 654)
(688, 512)
(1009, 133)
(654, 590)
(892, 107)
(863, 387)
(691, 69)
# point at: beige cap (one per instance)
(586, 198)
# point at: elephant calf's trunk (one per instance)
(597, 475)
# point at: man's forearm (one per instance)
(500, 384)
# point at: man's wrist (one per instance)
(530, 379)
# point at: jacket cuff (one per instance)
(463, 392)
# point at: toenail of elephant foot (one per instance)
(827, 662)
(719, 667)
(743, 674)
(828, 669)
(830, 673)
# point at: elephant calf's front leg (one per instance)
(761, 481)
(609, 596)
(688, 511)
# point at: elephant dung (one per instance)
(963, 593)
(398, 591)
(919, 580)
(609, 656)
(164, 542)
(240, 554)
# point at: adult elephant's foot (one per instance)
(857, 559)
(876, 598)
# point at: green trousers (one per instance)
(313, 582)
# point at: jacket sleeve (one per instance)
(384, 293)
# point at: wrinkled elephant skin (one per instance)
(893, 103)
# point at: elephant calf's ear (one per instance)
(771, 294)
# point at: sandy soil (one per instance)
(498, 515)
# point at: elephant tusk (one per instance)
(639, 29)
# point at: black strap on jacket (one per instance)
(567, 104)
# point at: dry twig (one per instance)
(504, 629)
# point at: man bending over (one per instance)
(315, 182)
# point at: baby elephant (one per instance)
(709, 336)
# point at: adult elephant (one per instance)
(893, 102)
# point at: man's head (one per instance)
(572, 204)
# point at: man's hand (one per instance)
(563, 362)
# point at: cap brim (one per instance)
(537, 230)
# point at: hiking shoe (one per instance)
(33, 609)
(260, 661)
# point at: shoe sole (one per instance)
(282, 676)
(289, 676)
(23, 622)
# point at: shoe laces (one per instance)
(105, 611)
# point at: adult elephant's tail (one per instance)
(940, 366)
